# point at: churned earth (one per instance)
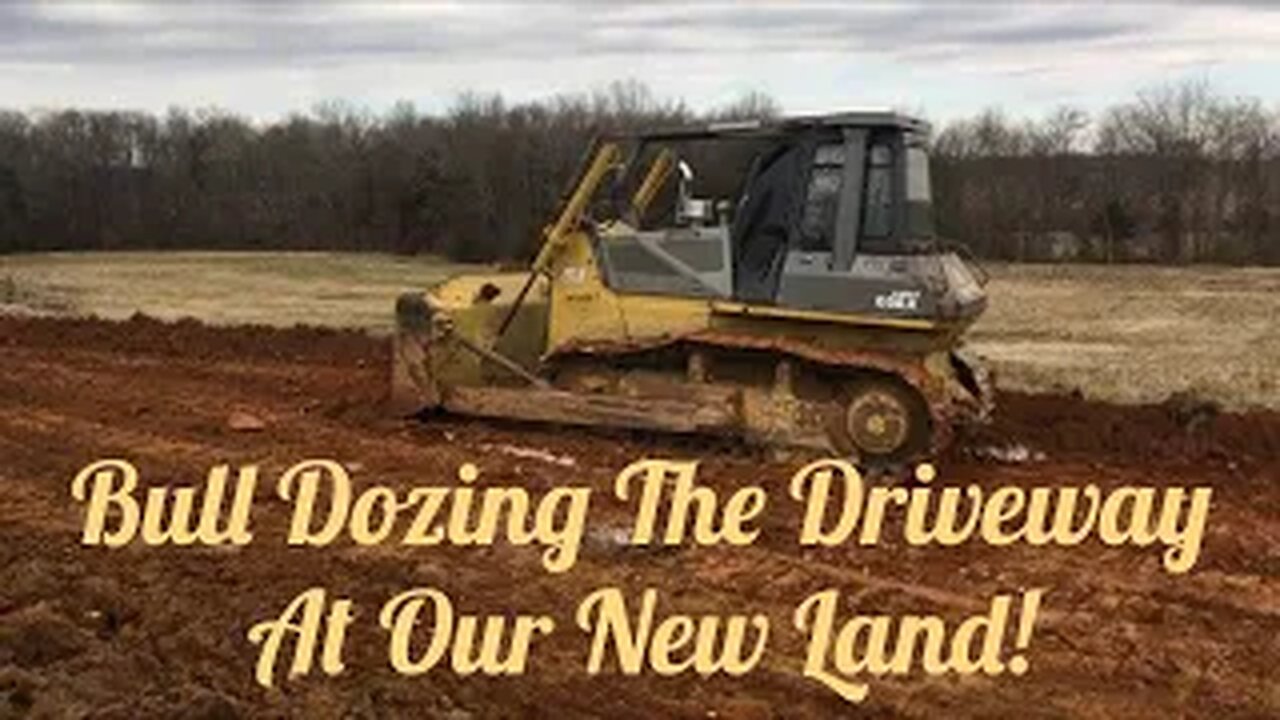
(161, 632)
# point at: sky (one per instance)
(944, 59)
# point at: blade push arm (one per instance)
(657, 176)
(605, 161)
(606, 158)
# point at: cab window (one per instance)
(878, 216)
(822, 199)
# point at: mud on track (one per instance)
(159, 632)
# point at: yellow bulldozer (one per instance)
(802, 299)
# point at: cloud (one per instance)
(105, 32)
(264, 58)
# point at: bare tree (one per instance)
(1181, 163)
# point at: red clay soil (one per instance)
(161, 632)
(1182, 429)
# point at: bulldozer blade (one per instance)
(571, 408)
(412, 387)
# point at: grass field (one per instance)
(1136, 333)
(356, 290)
(1127, 334)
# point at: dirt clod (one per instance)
(243, 421)
(37, 636)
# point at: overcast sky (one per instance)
(945, 58)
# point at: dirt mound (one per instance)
(1181, 429)
(190, 338)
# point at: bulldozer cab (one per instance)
(778, 282)
(830, 213)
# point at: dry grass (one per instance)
(1128, 334)
(338, 289)
(1136, 333)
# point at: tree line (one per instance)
(1178, 174)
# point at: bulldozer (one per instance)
(802, 299)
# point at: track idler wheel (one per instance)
(884, 421)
